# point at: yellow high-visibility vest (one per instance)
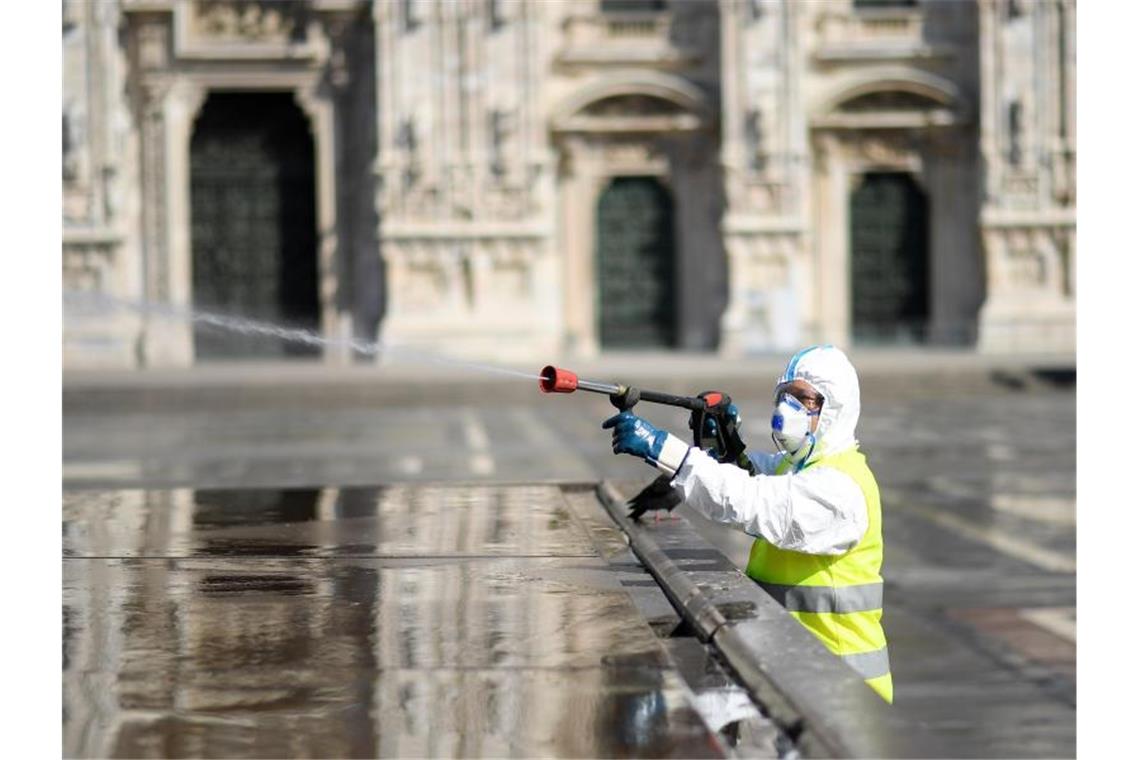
(839, 598)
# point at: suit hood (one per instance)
(828, 370)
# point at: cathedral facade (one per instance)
(516, 180)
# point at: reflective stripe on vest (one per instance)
(869, 664)
(839, 598)
(868, 596)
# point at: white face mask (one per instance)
(791, 428)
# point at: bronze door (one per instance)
(253, 221)
(636, 263)
(889, 260)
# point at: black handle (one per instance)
(691, 403)
(629, 397)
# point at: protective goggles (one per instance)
(810, 400)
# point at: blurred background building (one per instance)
(510, 180)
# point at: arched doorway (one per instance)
(636, 261)
(253, 221)
(890, 291)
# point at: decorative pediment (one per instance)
(893, 99)
(634, 102)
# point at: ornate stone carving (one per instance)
(248, 20)
(632, 156)
(86, 267)
(1064, 177)
(752, 194)
(507, 203)
(766, 273)
(763, 312)
(765, 260)
(890, 26)
(72, 143)
(425, 286)
(500, 128)
(1015, 131)
(426, 203)
(1027, 260)
(153, 51)
(884, 151)
(461, 189)
(1025, 269)
(755, 135)
(509, 281)
(766, 197)
(1019, 184)
(407, 142)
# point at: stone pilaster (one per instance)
(1028, 221)
(465, 234)
(100, 251)
(762, 156)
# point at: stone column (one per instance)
(579, 193)
(764, 177)
(1028, 218)
(336, 323)
(170, 337)
(831, 280)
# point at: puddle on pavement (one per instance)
(190, 630)
(392, 521)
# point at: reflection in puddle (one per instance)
(223, 508)
(338, 658)
(249, 632)
(388, 521)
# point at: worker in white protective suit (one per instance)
(813, 507)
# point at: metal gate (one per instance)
(636, 262)
(889, 260)
(253, 221)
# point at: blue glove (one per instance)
(633, 435)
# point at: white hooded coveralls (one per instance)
(817, 511)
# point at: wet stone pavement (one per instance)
(401, 621)
(978, 489)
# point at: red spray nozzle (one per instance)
(555, 380)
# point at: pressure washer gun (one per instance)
(712, 419)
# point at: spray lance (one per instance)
(712, 418)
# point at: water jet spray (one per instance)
(91, 304)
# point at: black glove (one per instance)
(660, 494)
(716, 431)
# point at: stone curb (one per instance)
(806, 690)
